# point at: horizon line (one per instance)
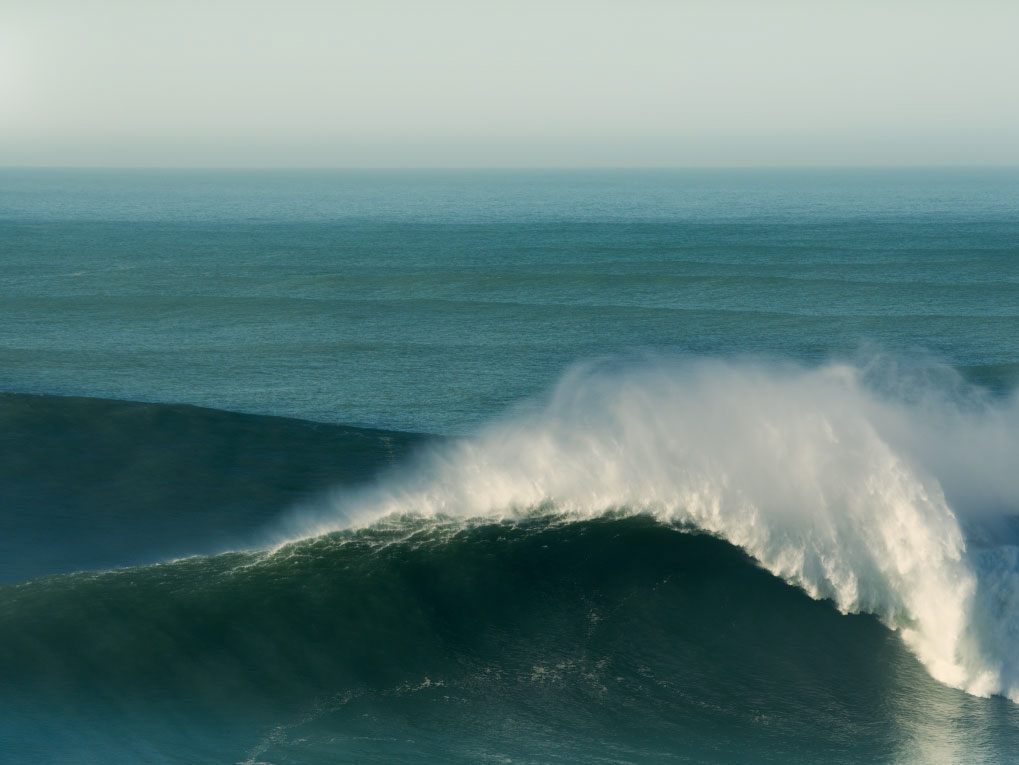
(520, 168)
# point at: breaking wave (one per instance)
(889, 490)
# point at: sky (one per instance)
(558, 83)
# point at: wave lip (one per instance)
(830, 477)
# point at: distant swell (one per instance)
(890, 490)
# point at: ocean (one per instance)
(628, 466)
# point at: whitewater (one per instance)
(886, 489)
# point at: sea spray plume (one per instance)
(963, 434)
(828, 484)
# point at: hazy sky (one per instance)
(553, 83)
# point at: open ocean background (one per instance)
(700, 466)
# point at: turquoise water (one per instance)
(619, 466)
(432, 301)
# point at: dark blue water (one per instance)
(620, 466)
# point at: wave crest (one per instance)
(884, 490)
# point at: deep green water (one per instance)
(630, 466)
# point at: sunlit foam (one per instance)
(856, 494)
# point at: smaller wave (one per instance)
(1000, 378)
(887, 488)
(91, 483)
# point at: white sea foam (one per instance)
(885, 491)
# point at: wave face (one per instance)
(612, 639)
(889, 491)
